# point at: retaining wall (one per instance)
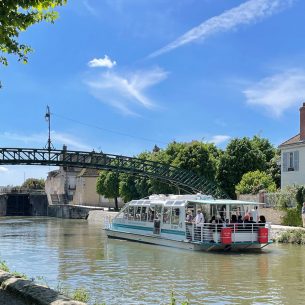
(32, 293)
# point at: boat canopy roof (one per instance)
(183, 200)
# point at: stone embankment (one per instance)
(15, 290)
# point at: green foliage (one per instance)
(300, 196)
(253, 182)
(292, 236)
(242, 156)
(292, 217)
(4, 266)
(33, 183)
(81, 295)
(15, 17)
(173, 300)
(274, 168)
(108, 185)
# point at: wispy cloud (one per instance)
(219, 139)
(278, 92)
(40, 140)
(124, 91)
(105, 62)
(3, 169)
(246, 13)
(89, 8)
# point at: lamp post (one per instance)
(48, 119)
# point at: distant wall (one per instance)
(39, 205)
(68, 211)
(3, 204)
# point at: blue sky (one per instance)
(122, 75)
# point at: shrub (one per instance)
(292, 217)
(292, 236)
(253, 182)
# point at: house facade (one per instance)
(77, 186)
(293, 156)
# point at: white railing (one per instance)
(107, 222)
(240, 232)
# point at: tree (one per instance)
(33, 183)
(108, 185)
(274, 168)
(197, 157)
(15, 17)
(241, 156)
(253, 182)
(127, 187)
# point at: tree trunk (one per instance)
(116, 205)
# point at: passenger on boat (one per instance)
(213, 220)
(233, 218)
(189, 216)
(262, 219)
(199, 219)
(240, 219)
(254, 214)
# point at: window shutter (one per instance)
(285, 162)
(296, 160)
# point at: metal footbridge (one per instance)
(183, 179)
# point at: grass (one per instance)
(292, 236)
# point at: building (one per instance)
(293, 156)
(76, 186)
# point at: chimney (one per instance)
(302, 123)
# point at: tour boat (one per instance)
(169, 220)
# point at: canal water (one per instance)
(76, 253)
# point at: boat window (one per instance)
(151, 214)
(131, 213)
(138, 214)
(158, 210)
(175, 216)
(144, 214)
(166, 215)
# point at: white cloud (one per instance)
(123, 91)
(89, 8)
(246, 13)
(278, 92)
(102, 62)
(70, 141)
(3, 169)
(40, 140)
(219, 139)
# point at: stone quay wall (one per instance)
(32, 293)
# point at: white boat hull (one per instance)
(183, 244)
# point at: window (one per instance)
(175, 216)
(291, 161)
(166, 215)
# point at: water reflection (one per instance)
(77, 253)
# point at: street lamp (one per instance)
(48, 119)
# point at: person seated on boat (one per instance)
(213, 220)
(251, 220)
(240, 219)
(233, 218)
(262, 219)
(246, 218)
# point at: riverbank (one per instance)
(19, 291)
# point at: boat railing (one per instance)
(228, 232)
(107, 222)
